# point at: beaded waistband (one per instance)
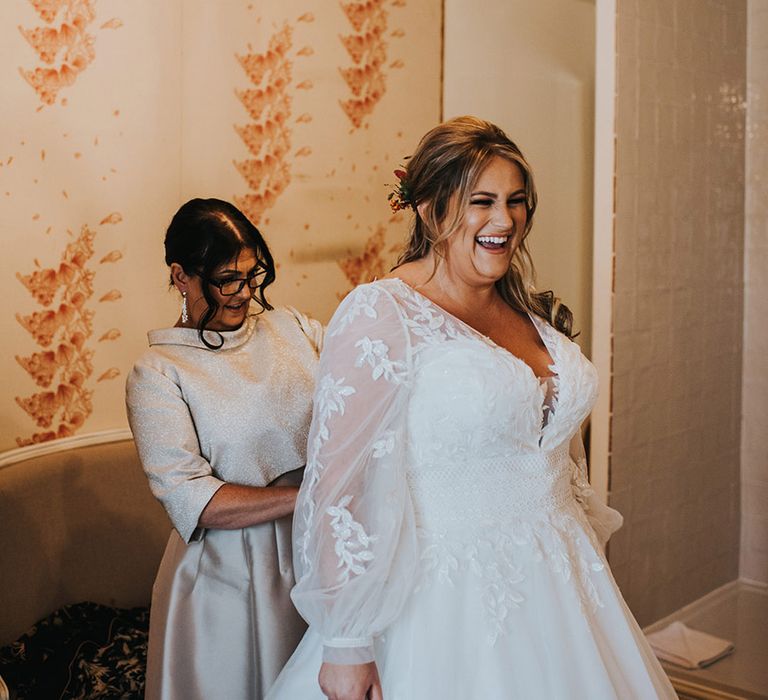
(491, 490)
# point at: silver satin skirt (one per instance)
(222, 624)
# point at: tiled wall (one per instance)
(677, 323)
(754, 448)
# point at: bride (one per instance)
(446, 542)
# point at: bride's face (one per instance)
(492, 227)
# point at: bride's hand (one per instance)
(355, 682)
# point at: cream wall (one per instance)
(754, 449)
(677, 324)
(529, 67)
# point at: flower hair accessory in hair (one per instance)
(400, 196)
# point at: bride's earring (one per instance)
(184, 313)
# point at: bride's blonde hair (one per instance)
(439, 179)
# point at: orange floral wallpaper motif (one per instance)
(370, 264)
(71, 42)
(368, 51)
(317, 133)
(65, 363)
(268, 136)
(375, 260)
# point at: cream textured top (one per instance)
(203, 417)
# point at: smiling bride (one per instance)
(446, 541)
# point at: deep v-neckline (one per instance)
(552, 366)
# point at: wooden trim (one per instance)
(602, 246)
(688, 689)
(22, 454)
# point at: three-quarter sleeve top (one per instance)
(202, 417)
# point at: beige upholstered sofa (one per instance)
(76, 525)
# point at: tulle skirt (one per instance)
(526, 610)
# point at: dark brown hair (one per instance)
(207, 233)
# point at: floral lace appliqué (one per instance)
(363, 301)
(501, 559)
(384, 445)
(352, 542)
(330, 399)
(376, 354)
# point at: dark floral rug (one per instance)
(79, 652)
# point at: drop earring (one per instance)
(184, 313)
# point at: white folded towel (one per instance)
(689, 648)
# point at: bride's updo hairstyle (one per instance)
(207, 233)
(441, 175)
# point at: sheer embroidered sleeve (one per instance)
(603, 519)
(354, 539)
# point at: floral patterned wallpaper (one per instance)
(116, 113)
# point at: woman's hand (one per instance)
(354, 682)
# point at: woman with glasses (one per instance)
(220, 406)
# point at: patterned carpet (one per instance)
(79, 652)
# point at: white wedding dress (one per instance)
(445, 527)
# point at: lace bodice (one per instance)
(420, 421)
(468, 381)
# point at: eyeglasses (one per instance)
(233, 285)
